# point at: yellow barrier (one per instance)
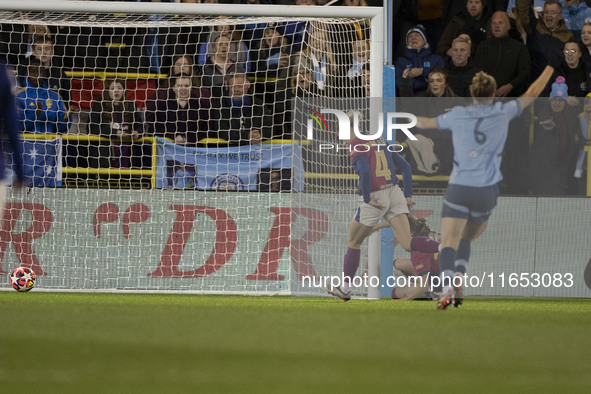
(105, 75)
(422, 178)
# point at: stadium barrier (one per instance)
(139, 240)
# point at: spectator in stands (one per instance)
(581, 140)
(433, 102)
(350, 68)
(181, 64)
(295, 31)
(219, 66)
(299, 84)
(317, 56)
(40, 109)
(586, 42)
(473, 21)
(273, 53)
(255, 137)
(273, 67)
(35, 32)
(274, 180)
(364, 81)
(17, 45)
(240, 111)
(575, 13)
(302, 83)
(252, 32)
(181, 117)
(237, 49)
(575, 72)
(544, 35)
(460, 67)
(55, 76)
(115, 117)
(457, 7)
(427, 13)
(344, 37)
(504, 58)
(554, 150)
(543, 165)
(437, 85)
(417, 60)
(360, 58)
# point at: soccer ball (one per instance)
(22, 279)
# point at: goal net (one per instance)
(166, 145)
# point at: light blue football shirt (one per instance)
(479, 133)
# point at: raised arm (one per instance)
(426, 123)
(554, 60)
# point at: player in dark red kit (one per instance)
(380, 197)
(419, 264)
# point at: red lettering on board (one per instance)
(279, 239)
(105, 213)
(136, 213)
(225, 242)
(42, 220)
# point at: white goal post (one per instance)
(113, 237)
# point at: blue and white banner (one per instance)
(231, 168)
(42, 161)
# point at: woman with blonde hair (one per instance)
(479, 132)
(586, 42)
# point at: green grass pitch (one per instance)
(138, 343)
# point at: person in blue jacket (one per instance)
(416, 61)
(40, 109)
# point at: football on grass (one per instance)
(22, 279)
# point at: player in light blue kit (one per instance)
(479, 132)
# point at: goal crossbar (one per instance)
(192, 9)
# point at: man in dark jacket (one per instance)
(544, 35)
(241, 112)
(460, 66)
(506, 59)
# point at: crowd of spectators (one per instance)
(232, 83)
(442, 44)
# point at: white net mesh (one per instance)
(140, 130)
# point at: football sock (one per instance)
(462, 257)
(350, 267)
(446, 264)
(424, 244)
